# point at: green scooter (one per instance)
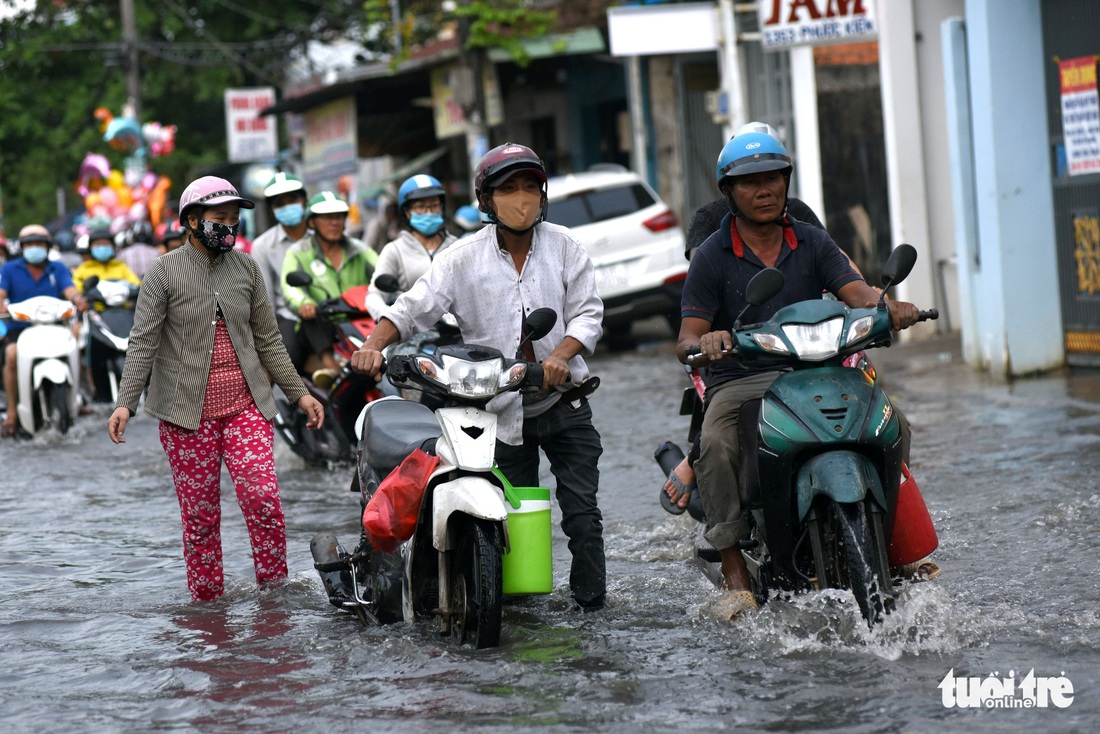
(821, 452)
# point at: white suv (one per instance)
(633, 238)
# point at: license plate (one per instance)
(611, 278)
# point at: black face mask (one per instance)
(215, 236)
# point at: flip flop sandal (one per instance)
(736, 604)
(681, 490)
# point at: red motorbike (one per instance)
(336, 441)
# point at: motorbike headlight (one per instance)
(482, 379)
(815, 341)
(859, 329)
(770, 343)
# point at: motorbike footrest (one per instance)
(329, 567)
(708, 553)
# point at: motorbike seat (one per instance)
(392, 429)
(748, 434)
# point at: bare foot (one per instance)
(681, 495)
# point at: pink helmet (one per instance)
(209, 191)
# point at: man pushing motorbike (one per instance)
(490, 281)
(754, 174)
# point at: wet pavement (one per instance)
(100, 634)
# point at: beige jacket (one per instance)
(172, 341)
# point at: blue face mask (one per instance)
(103, 253)
(35, 255)
(427, 224)
(290, 215)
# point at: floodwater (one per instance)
(99, 633)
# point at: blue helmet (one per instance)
(421, 186)
(469, 218)
(752, 152)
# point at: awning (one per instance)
(581, 41)
(416, 165)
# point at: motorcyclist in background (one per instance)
(103, 263)
(33, 275)
(421, 201)
(286, 201)
(135, 247)
(468, 220)
(172, 239)
(66, 249)
(335, 262)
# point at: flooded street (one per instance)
(99, 632)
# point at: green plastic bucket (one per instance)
(528, 564)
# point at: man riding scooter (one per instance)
(754, 172)
(334, 262)
(32, 275)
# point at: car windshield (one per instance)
(597, 205)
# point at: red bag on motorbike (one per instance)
(390, 515)
(914, 537)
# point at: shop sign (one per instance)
(250, 137)
(1080, 114)
(786, 23)
(330, 147)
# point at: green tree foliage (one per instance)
(63, 59)
(492, 24)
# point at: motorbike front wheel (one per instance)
(845, 557)
(58, 401)
(476, 585)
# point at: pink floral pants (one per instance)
(245, 442)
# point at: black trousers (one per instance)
(573, 446)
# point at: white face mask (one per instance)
(518, 210)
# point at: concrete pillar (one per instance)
(960, 151)
(1016, 284)
(807, 141)
(905, 151)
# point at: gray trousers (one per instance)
(716, 471)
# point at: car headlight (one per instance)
(859, 329)
(461, 378)
(815, 341)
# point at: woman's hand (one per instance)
(116, 424)
(313, 410)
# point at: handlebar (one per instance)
(696, 358)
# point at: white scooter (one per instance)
(454, 565)
(48, 364)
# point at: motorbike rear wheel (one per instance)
(58, 401)
(476, 596)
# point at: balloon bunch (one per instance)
(119, 198)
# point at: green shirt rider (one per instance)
(335, 262)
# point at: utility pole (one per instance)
(473, 98)
(129, 43)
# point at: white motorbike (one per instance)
(48, 364)
(467, 550)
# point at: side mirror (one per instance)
(764, 286)
(538, 324)
(91, 283)
(387, 283)
(299, 279)
(899, 265)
